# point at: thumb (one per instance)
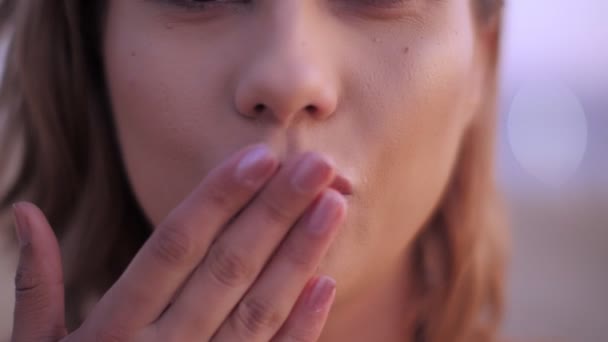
(39, 306)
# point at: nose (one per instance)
(288, 79)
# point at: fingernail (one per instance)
(255, 166)
(325, 213)
(310, 174)
(21, 225)
(322, 293)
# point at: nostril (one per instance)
(311, 109)
(259, 108)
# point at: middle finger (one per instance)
(238, 255)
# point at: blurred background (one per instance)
(552, 166)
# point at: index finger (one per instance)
(182, 239)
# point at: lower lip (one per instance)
(342, 192)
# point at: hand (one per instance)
(206, 273)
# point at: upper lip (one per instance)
(342, 185)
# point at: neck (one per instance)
(384, 310)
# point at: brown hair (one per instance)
(56, 110)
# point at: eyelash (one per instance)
(204, 5)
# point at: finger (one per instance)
(180, 242)
(309, 315)
(39, 306)
(240, 253)
(267, 304)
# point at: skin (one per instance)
(185, 84)
(191, 88)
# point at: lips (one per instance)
(342, 185)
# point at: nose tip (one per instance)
(286, 94)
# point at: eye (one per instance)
(383, 9)
(385, 3)
(203, 4)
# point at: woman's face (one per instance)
(385, 88)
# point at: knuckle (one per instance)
(26, 280)
(32, 289)
(172, 244)
(298, 255)
(303, 327)
(301, 335)
(32, 299)
(229, 268)
(217, 197)
(112, 334)
(276, 211)
(255, 316)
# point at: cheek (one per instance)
(419, 124)
(165, 108)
